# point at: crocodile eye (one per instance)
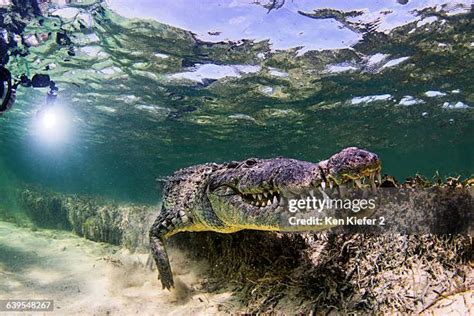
(250, 162)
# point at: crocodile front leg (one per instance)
(158, 232)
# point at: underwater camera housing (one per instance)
(7, 90)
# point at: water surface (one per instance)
(147, 87)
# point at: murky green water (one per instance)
(144, 97)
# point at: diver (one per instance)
(8, 88)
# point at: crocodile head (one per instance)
(351, 165)
(265, 185)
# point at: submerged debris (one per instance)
(339, 273)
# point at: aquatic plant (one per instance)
(92, 218)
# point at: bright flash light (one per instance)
(52, 125)
(49, 120)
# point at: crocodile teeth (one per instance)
(265, 194)
(254, 196)
(269, 202)
(358, 183)
(259, 196)
(323, 185)
(275, 199)
(330, 184)
(311, 192)
(379, 177)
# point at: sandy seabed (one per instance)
(89, 278)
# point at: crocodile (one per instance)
(250, 194)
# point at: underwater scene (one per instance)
(217, 157)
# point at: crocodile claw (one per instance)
(166, 279)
